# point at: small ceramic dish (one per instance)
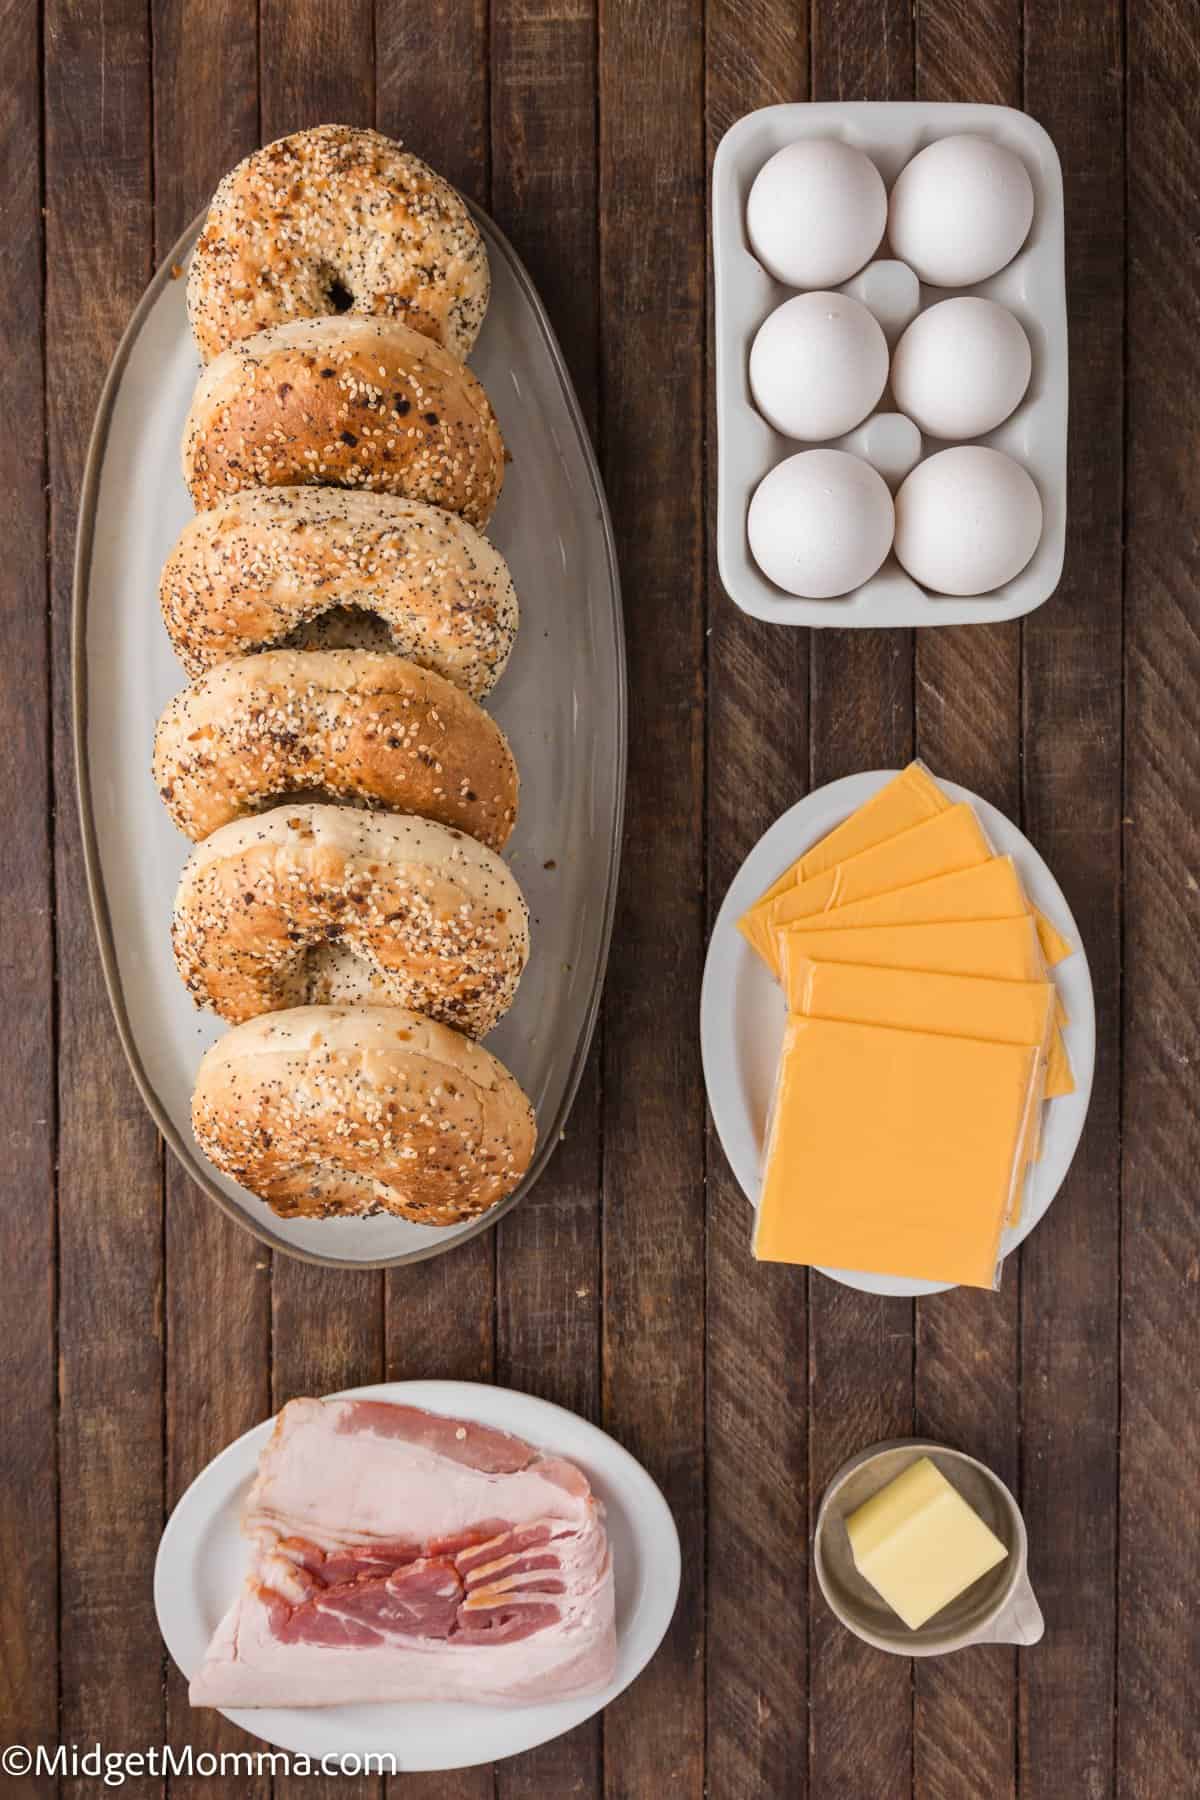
(999, 1608)
(1032, 286)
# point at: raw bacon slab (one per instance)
(400, 1555)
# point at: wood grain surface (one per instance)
(861, 1347)
(967, 1366)
(144, 1330)
(757, 1339)
(29, 1624)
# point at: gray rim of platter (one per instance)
(548, 1138)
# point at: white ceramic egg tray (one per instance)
(1032, 286)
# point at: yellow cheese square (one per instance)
(1004, 1012)
(986, 890)
(894, 1152)
(951, 841)
(909, 797)
(919, 1544)
(1004, 949)
(1009, 1012)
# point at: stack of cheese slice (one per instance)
(923, 1037)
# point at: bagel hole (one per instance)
(310, 796)
(341, 628)
(334, 975)
(339, 296)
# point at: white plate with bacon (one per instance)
(435, 1572)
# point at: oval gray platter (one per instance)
(561, 702)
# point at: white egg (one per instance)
(820, 523)
(817, 366)
(960, 210)
(961, 367)
(967, 520)
(816, 212)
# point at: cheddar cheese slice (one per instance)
(910, 799)
(1003, 949)
(906, 800)
(950, 841)
(894, 1152)
(970, 1006)
(987, 890)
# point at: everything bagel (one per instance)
(330, 903)
(351, 723)
(307, 564)
(359, 403)
(325, 1112)
(337, 220)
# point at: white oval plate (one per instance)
(561, 702)
(742, 1013)
(202, 1559)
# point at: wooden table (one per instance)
(143, 1329)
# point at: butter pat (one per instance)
(919, 1544)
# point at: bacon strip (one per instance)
(399, 1554)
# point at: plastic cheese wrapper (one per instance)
(1002, 949)
(966, 1006)
(895, 1152)
(985, 890)
(948, 842)
(990, 889)
(898, 838)
(911, 796)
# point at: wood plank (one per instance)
(431, 91)
(431, 86)
(548, 1343)
(218, 1386)
(316, 67)
(543, 159)
(316, 64)
(861, 1348)
(202, 126)
(98, 258)
(28, 1457)
(757, 1435)
(1072, 796)
(1158, 1745)
(968, 705)
(327, 1333)
(218, 1334)
(652, 273)
(548, 1280)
